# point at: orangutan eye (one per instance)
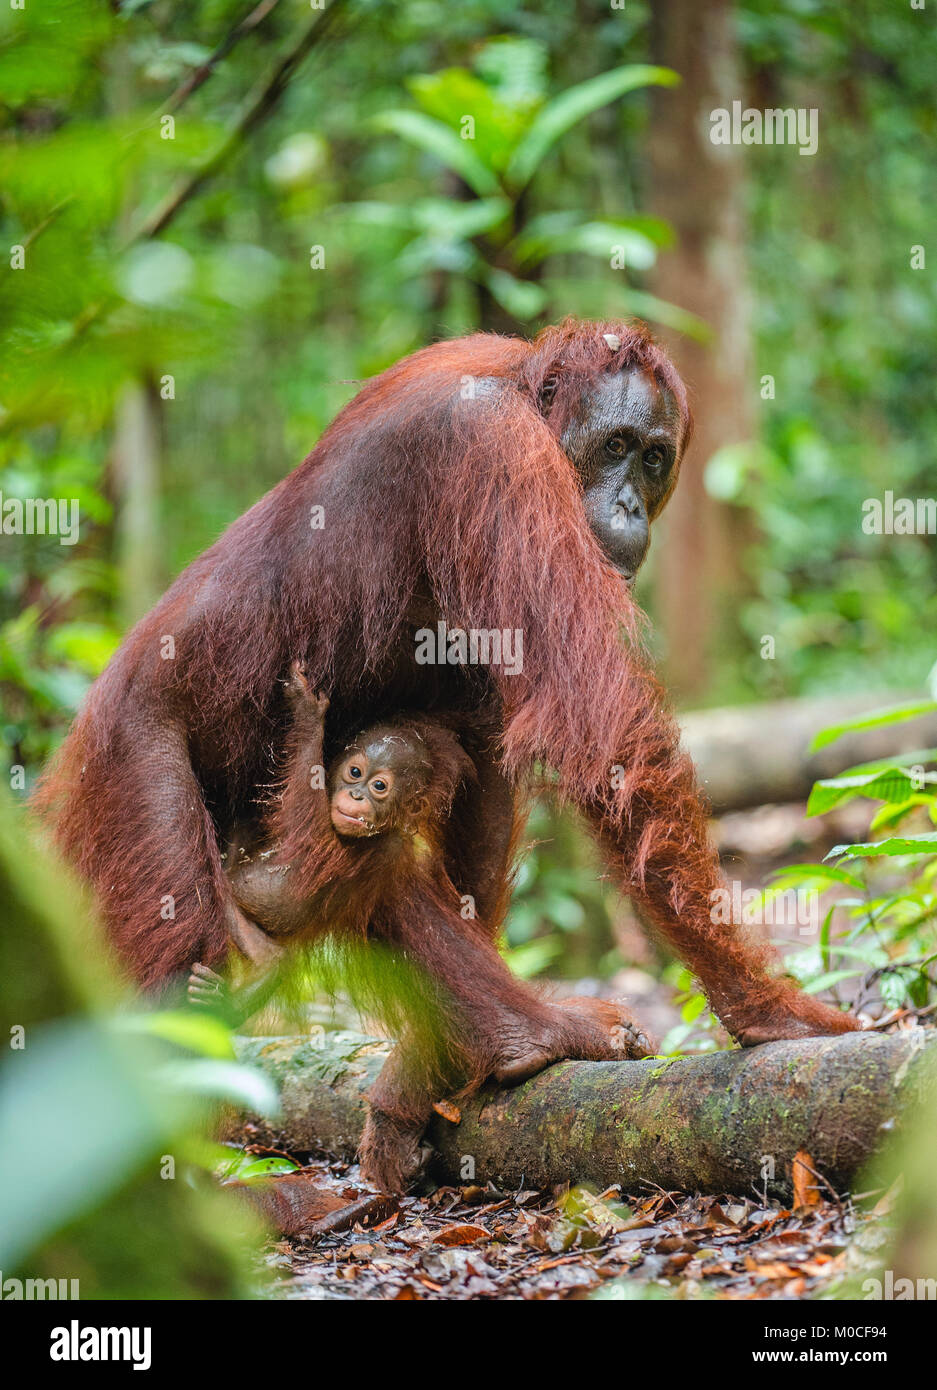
(354, 773)
(654, 459)
(380, 786)
(616, 447)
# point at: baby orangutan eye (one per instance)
(354, 773)
(380, 786)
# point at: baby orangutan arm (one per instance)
(261, 888)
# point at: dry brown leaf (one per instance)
(806, 1192)
(448, 1111)
(466, 1234)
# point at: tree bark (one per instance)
(698, 188)
(722, 1122)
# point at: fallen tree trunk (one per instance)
(722, 1122)
(754, 754)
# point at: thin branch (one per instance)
(201, 74)
(257, 108)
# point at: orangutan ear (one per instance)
(547, 392)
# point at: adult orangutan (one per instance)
(487, 483)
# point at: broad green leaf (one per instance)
(198, 1032)
(223, 1080)
(533, 957)
(830, 980)
(649, 306)
(605, 296)
(917, 757)
(893, 784)
(566, 110)
(892, 848)
(516, 68)
(89, 646)
(693, 1008)
(496, 126)
(378, 214)
(446, 217)
(601, 239)
(874, 719)
(438, 253)
(520, 298)
(442, 142)
(78, 1120)
(895, 813)
(567, 912)
(254, 1167)
(794, 874)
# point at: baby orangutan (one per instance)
(363, 859)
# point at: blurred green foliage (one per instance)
(877, 945)
(103, 1117)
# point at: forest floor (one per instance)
(478, 1243)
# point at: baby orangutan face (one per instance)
(377, 783)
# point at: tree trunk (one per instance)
(723, 1122)
(697, 187)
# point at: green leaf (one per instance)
(916, 757)
(794, 874)
(830, 979)
(566, 110)
(558, 232)
(89, 646)
(874, 719)
(523, 300)
(893, 848)
(440, 140)
(533, 957)
(447, 217)
(223, 1080)
(565, 911)
(895, 813)
(693, 1008)
(892, 784)
(455, 93)
(200, 1033)
(894, 989)
(253, 1167)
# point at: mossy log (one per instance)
(721, 1122)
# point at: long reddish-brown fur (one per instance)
(444, 490)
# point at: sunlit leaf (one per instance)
(442, 142)
(874, 719)
(571, 106)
